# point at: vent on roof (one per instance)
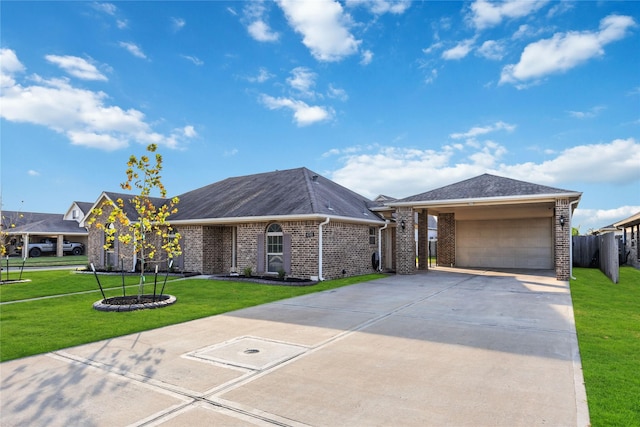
(314, 178)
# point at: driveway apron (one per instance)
(449, 347)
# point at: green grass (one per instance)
(34, 327)
(608, 324)
(45, 261)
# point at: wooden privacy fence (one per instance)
(597, 252)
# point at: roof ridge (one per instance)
(311, 178)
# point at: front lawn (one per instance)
(608, 325)
(39, 326)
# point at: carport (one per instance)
(490, 222)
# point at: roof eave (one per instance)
(488, 201)
(628, 222)
(271, 218)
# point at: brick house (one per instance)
(306, 225)
(489, 222)
(294, 221)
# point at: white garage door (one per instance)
(512, 243)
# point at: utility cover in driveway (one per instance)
(249, 352)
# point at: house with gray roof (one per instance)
(23, 228)
(301, 223)
(294, 221)
(492, 222)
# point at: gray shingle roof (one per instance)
(39, 223)
(485, 186)
(286, 192)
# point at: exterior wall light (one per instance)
(562, 220)
(403, 224)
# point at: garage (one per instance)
(509, 243)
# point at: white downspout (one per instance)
(320, 248)
(386, 224)
(234, 242)
(571, 239)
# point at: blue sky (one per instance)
(384, 97)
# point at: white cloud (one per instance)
(178, 23)
(485, 14)
(9, 65)
(303, 114)
(260, 31)
(565, 50)
(263, 76)
(401, 172)
(324, 27)
(459, 51)
(337, 93)
(108, 8)
(588, 219)
(303, 80)
(478, 130)
(380, 7)
(32, 172)
(79, 114)
(111, 10)
(254, 15)
(579, 163)
(492, 49)
(133, 49)
(367, 57)
(77, 67)
(589, 114)
(194, 59)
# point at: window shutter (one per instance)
(260, 260)
(286, 251)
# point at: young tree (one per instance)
(7, 222)
(150, 232)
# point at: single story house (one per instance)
(630, 237)
(23, 228)
(301, 223)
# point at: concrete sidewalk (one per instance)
(445, 348)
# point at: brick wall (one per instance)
(446, 246)
(423, 240)
(562, 236)
(405, 242)
(347, 250)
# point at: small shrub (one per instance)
(247, 271)
(281, 274)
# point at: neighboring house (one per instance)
(630, 238)
(31, 227)
(306, 225)
(607, 229)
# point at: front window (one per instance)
(372, 235)
(275, 254)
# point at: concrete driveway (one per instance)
(446, 348)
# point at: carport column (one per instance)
(423, 240)
(405, 241)
(446, 239)
(59, 247)
(562, 242)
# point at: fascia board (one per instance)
(486, 201)
(272, 218)
(103, 195)
(632, 219)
